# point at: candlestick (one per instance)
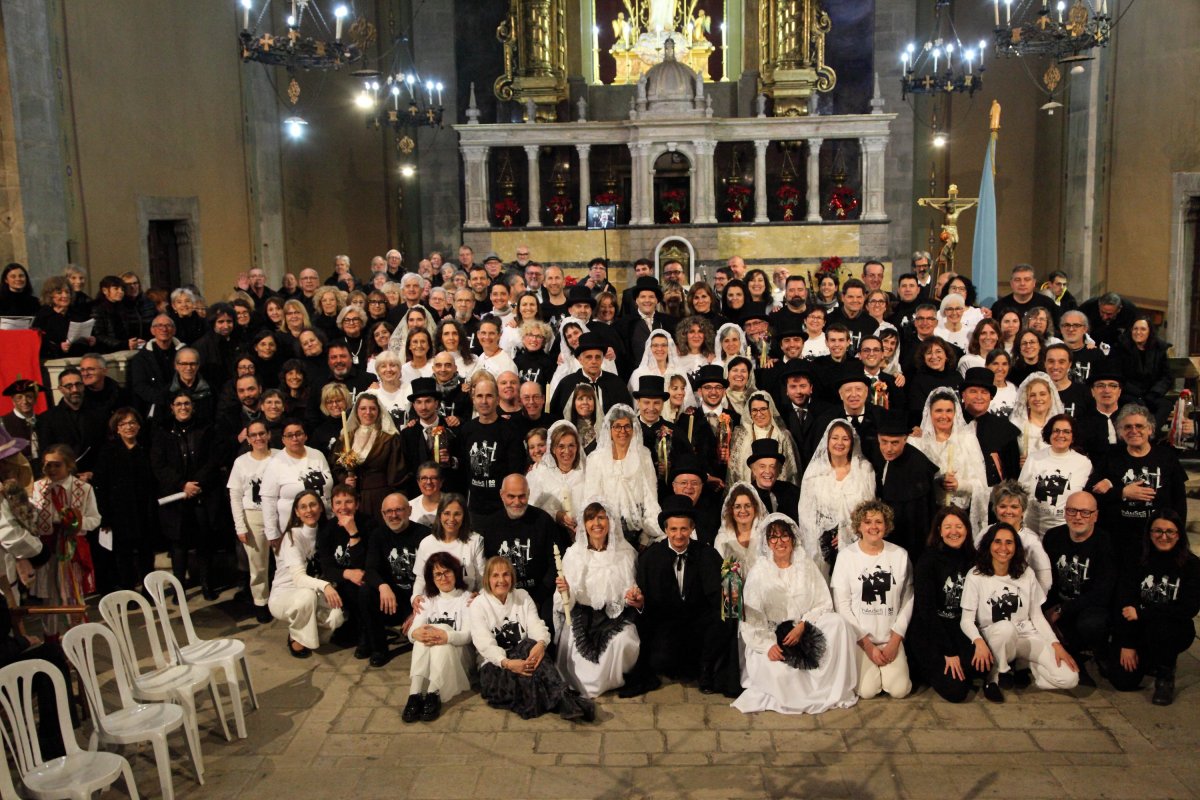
(396, 97)
(566, 596)
(429, 91)
(596, 53)
(982, 47)
(1061, 8)
(345, 433)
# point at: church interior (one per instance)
(139, 132)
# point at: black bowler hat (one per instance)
(21, 386)
(422, 387)
(647, 283)
(651, 386)
(580, 294)
(687, 464)
(590, 341)
(710, 373)
(893, 423)
(980, 378)
(676, 506)
(1102, 370)
(765, 448)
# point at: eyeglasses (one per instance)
(919, 318)
(192, 364)
(259, 435)
(1061, 432)
(182, 404)
(1079, 512)
(775, 537)
(293, 435)
(1135, 426)
(1067, 325)
(89, 369)
(1165, 533)
(877, 302)
(132, 283)
(626, 428)
(870, 350)
(390, 511)
(72, 385)
(428, 479)
(129, 423)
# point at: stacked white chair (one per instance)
(227, 655)
(132, 721)
(77, 775)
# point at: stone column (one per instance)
(585, 181)
(476, 186)
(814, 180)
(760, 181)
(264, 174)
(871, 151)
(894, 25)
(641, 208)
(37, 135)
(704, 203)
(535, 186)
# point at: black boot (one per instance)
(1164, 687)
(412, 709)
(432, 708)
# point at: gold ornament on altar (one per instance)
(405, 144)
(791, 46)
(293, 91)
(1052, 76)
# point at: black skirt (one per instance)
(527, 695)
(594, 629)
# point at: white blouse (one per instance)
(488, 615)
(468, 553)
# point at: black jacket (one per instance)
(116, 324)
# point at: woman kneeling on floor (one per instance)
(304, 602)
(511, 640)
(442, 652)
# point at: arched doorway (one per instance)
(672, 188)
(676, 248)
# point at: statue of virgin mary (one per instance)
(662, 16)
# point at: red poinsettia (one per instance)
(842, 202)
(736, 198)
(609, 199)
(506, 210)
(673, 199)
(788, 196)
(831, 265)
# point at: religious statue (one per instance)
(951, 207)
(622, 31)
(661, 15)
(699, 28)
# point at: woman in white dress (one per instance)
(556, 482)
(730, 342)
(245, 501)
(1037, 402)
(741, 516)
(450, 533)
(306, 603)
(836, 480)
(799, 651)
(570, 329)
(814, 328)
(659, 357)
(600, 643)
(621, 471)
(1051, 476)
(954, 449)
(761, 421)
(442, 655)
(1002, 615)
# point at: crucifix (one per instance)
(951, 207)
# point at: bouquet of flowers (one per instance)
(789, 198)
(558, 207)
(732, 581)
(672, 201)
(842, 202)
(506, 210)
(736, 198)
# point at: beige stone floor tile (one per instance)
(1137, 783)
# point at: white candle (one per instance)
(1061, 8)
(936, 52)
(440, 86)
(1008, 12)
(246, 14)
(997, 8)
(982, 46)
(429, 91)
(970, 55)
(339, 14)
(396, 97)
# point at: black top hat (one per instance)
(1104, 369)
(850, 375)
(687, 464)
(710, 373)
(788, 325)
(21, 386)
(590, 341)
(422, 387)
(647, 283)
(893, 423)
(580, 294)
(676, 506)
(651, 386)
(797, 366)
(980, 378)
(752, 312)
(765, 448)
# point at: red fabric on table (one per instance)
(19, 359)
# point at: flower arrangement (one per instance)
(672, 201)
(732, 581)
(831, 265)
(72, 520)
(842, 202)
(789, 198)
(570, 281)
(437, 433)
(609, 199)
(736, 198)
(506, 210)
(558, 207)
(348, 460)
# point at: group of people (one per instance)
(797, 491)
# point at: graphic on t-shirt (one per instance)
(256, 491)
(531, 375)
(342, 556)
(855, 341)
(483, 455)
(1004, 604)
(313, 480)
(1151, 477)
(1081, 370)
(518, 553)
(1069, 409)
(1050, 487)
(509, 634)
(875, 585)
(1160, 590)
(1072, 574)
(952, 589)
(401, 562)
(443, 618)
(445, 409)
(312, 568)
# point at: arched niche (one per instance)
(672, 171)
(672, 248)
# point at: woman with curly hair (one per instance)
(694, 338)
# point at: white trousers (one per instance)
(447, 667)
(873, 679)
(306, 612)
(1009, 642)
(258, 556)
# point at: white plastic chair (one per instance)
(77, 775)
(133, 721)
(225, 654)
(175, 683)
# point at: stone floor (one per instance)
(329, 727)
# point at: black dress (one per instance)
(126, 493)
(934, 634)
(907, 485)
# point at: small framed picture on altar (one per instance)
(601, 217)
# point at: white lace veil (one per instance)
(604, 574)
(967, 456)
(747, 424)
(548, 460)
(648, 365)
(721, 331)
(726, 533)
(689, 394)
(818, 512)
(400, 336)
(568, 364)
(1020, 412)
(604, 435)
(386, 423)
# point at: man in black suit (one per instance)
(904, 479)
(417, 438)
(642, 268)
(1098, 426)
(710, 385)
(679, 594)
(71, 424)
(635, 327)
(21, 422)
(790, 336)
(610, 389)
(765, 461)
(581, 305)
(798, 408)
(852, 392)
(689, 478)
(998, 438)
(881, 387)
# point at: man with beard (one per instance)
(998, 438)
(464, 315)
(791, 347)
(795, 305)
(71, 424)
(453, 402)
(341, 370)
(417, 437)
(1073, 327)
(391, 554)
(526, 536)
(489, 448)
(852, 313)
(101, 395)
(904, 479)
